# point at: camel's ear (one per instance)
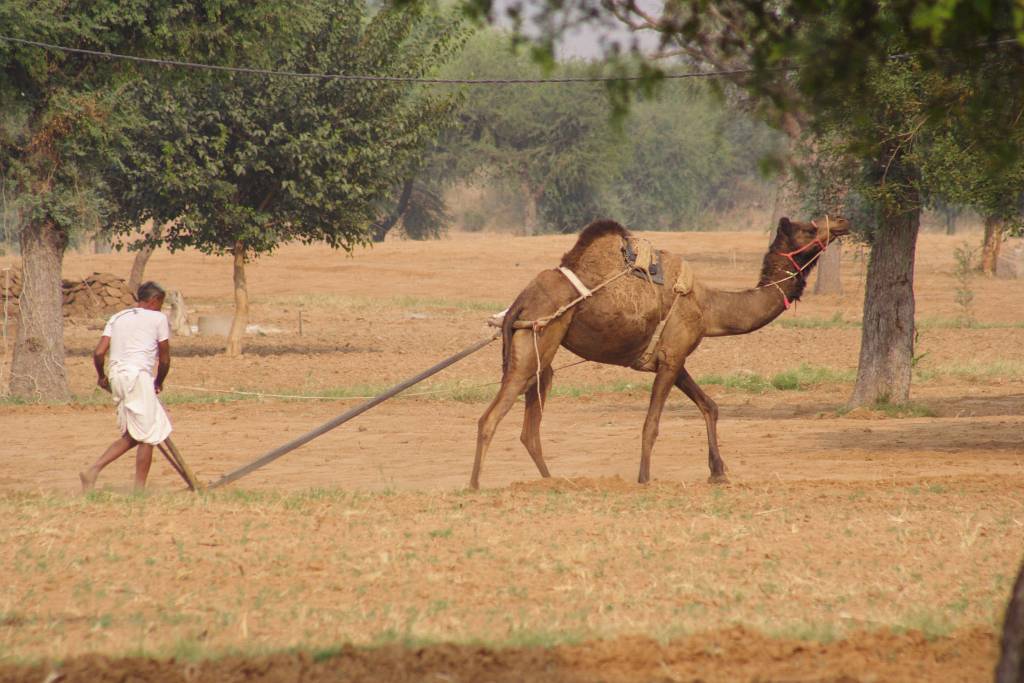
(785, 225)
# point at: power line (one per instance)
(719, 73)
(390, 79)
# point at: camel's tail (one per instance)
(511, 316)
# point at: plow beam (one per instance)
(273, 455)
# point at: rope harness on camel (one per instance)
(643, 260)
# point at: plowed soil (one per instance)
(869, 545)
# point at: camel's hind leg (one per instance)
(709, 409)
(522, 368)
(663, 380)
(535, 402)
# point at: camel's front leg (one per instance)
(709, 409)
(663, 380)
(531, 423)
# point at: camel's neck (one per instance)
(727, 313)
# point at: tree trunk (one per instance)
(37, 368)
(887, 335)
(101, 244)
(234, 347)
(951, 215)
(1011, 663)
(531, 198)
(994, 228)
(830, 279)
(381, 228)
(142, 259)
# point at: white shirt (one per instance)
(134, 334)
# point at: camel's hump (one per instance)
(588, 236)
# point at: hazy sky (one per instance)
(588, 41)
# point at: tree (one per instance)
(142, 254)
(876, 153)
(57, 116)
(991, 184)
(844, 65)
(559, 157)
(62, 116)
(825, 43)
(687, 154)
(420, 207)
(722, 44)
(551, 146)
(240, 164)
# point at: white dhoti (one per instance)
(139, 412)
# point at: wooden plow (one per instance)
(273, 455)
(173, 455)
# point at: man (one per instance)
(136, 339)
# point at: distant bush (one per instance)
(473, 221)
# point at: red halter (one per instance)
(800, 269)
(791, 254)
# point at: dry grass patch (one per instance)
(552, 562)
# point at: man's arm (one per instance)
(163, 364)
(99, 355)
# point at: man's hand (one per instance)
(163, 351)
(98, 358)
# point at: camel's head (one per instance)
(795, 252)
(807, 238)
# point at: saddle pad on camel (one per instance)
(646, 261)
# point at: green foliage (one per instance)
(426, 216)
(798, 379)
(807, 376)
(903, 409)
(57, 108)
(835, 322)
(876, 85)
(222, 159)
(869, 157)
(551, 146)
(63, 113)
(473, 221)
(974, 160)
(688, 154)
(750, 382)
(558, 153)
(61, 116)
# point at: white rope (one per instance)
(260, 394)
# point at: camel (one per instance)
(616, 323)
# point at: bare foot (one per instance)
(88, 480)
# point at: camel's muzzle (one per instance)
(831, 228)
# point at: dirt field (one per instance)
(855, 546)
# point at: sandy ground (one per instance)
(848, 544)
